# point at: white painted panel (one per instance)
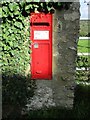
(41, 35)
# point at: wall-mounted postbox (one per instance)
(41, 36)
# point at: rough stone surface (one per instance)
(60, 90)
(43, 97)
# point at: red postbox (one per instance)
(41, 37)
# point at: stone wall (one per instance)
(59, 91)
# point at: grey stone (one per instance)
(60, 90)
(71, 16)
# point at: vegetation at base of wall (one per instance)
(16, 90)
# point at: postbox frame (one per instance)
(43, 41)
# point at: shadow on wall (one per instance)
(79, 111)
(16, 90)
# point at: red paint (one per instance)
(41, 57)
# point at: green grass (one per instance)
(83, 46)
(84, 27)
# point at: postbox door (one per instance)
(41, 57)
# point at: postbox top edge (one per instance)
(39, 13)
(38, 17)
